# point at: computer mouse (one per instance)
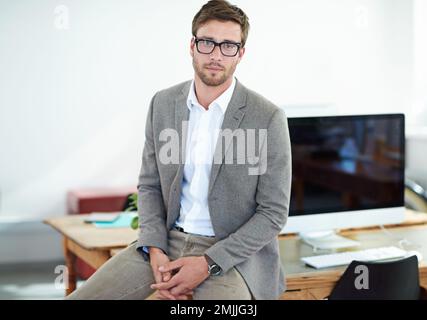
(415, 253)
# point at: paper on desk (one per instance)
(101, 217)
(123, 221)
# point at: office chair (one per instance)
(392, 280)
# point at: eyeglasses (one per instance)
(228, 49)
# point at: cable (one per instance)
(402, 242)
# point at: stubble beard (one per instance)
(210, 81)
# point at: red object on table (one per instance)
(80, 201)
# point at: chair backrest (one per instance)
(392, 280)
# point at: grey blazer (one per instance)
(247, 211)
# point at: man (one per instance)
(208, 221)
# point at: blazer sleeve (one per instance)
(151, 209)
(272, 201)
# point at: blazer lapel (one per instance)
(232, 118)
(181, 123)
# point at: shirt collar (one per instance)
(222, 101)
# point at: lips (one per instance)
(214, 68)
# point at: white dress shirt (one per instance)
(203, 129)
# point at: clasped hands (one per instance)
(175, 280)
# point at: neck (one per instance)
(206, 94)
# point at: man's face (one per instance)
(214, 69)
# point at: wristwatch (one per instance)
(213, 268)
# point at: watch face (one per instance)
(214, 270)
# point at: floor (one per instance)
(32, 281)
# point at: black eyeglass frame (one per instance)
(217, 44)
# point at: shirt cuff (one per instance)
(144, 251)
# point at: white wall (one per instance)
(355, 55)
(419, 114)
(73, 101)
(417, 131)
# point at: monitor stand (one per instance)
(327, 240)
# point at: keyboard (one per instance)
(344, 258)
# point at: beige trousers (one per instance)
(128, 276)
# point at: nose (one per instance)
(216, 54)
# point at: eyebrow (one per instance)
(210, 38)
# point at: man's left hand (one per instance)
(192, 272)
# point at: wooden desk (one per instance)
(307, 283)
(93, 245)
(96, 246)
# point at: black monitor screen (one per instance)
(346, 163)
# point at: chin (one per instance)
(214, 81)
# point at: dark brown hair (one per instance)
(223, 11)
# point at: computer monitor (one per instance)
(347, 171)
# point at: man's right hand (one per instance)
(159, 258)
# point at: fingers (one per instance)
(157, 275)
(178, 290)
(164, 285)
(169, 266)
(166, 277)
(165, 295)
(173, 282)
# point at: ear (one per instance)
(241, 54)
(192, 45)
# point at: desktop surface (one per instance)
(292, 248)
